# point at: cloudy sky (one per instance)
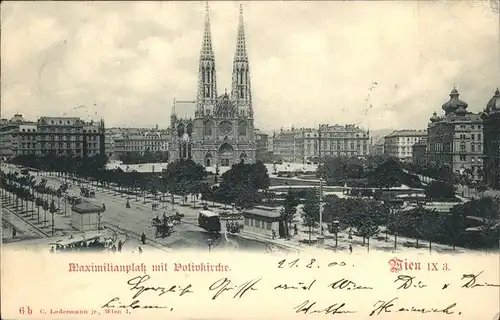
(311, 62)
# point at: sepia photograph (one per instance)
(274, 128)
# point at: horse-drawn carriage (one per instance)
(86, 192)
(163, 227)
(233, 227)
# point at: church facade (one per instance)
(221, 131)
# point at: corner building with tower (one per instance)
(222, 130)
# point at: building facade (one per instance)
(456, 138)
(419, 152)
(377, 148)
(399, 143)
(491, 140)
(348, 140)
(307, 144)
(57, 135)
(261, 145)
(134, 140)
(221, 131)
(288, 144)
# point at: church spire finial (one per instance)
(241, 50)
(206, 48)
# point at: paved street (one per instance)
(133, 221)
(130, 223)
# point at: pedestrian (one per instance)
(143, 237)
(140, 250)
(120, 244)
(14, 232)
(350, 249)
(52, 249)
(274, 234)
(295, 229)
(103, 207)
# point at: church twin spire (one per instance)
(207, 80)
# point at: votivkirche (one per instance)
(221, 131)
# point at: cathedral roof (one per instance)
(454, 103)
(494, 104)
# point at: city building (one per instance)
(261, 146)
(377, 148)
(288, 144)
(305, 145)
(399, 143)
(491, 140)
(134, 140)
(57, 135)
(456, 138)
(270, 143)
(337, 140)
(221, 130)
(109, 144)
(419, 152)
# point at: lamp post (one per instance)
(336, 229)
(321, 208)
(98, 222)
(210, 242)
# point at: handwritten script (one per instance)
(333, 292)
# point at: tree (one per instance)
(386, 174)
(247, 177)
(52, 210)
(245, 198)
(332, 170)
(440, 190)
(289, 210)
(455, 225)
(432, 225)
(39, 203)
(45, 207)
(368, 229)
(179, 172)
(336, 209)
(310, 211)
(416, 222)
(259, 176)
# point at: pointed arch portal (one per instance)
(226, 154)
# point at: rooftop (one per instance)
(407, 133)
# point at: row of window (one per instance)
(258, 223)
(68, 145)
(57, 138)
(59, 151)
(472, 136)
(53, 129)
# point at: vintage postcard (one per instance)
(250, 160)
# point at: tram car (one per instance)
(209, 221)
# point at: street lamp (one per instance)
(210, 242)
(336, 229)
(98, 222)
(321, 208)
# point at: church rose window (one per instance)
(225, 127)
